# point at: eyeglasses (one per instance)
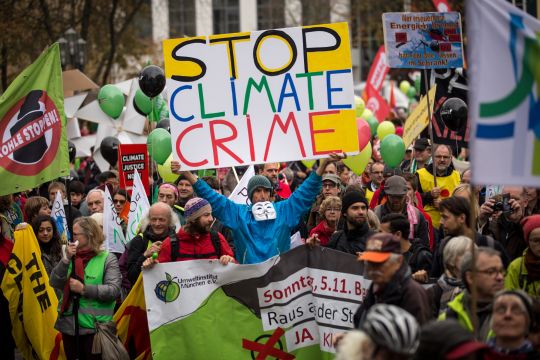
(329, 186)
(333, 209)
(493, 271)
(118, 201)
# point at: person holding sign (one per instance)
(263, 229)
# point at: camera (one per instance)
(503, 205)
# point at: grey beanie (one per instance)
(258, 181)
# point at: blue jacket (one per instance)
(257, 241)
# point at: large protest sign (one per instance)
(33, 141)
(262, 96)
(504, 97)
(423, 40)
(133, 157)
(289, 305)
(32, 302)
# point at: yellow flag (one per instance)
(32, 301)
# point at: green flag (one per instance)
(33, 136)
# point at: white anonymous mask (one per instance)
(263, 211)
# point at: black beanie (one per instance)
(350, 198)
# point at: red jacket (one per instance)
(188, 244)
(324, 232)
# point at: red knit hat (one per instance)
(529, 224)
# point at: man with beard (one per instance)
(155, 228)
(195, 241)
(447, 180)
(281, 190)
(352, 239)
(391, 280)
(395, 188)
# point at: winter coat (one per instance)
(516, 278)
(401, 291)
(459, 309)
(351, 241)
(257, 241)
(419, 256)
(136, 250)
(323, 231)
(108, 291)
(421, 229)
(193, 244)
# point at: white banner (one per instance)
(138, 207)
(504, 104)
(114, 236)
(240, 194)
(58, 213)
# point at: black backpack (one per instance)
(175, 248)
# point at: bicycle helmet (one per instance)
(393, 328)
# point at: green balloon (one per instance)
(144, 103)
(159, 145)
(417, 84)
(160, 109)
(373, 124)
(392, 150)
(411, 93)
(111, 100)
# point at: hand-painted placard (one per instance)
(262, 96)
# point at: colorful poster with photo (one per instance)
(423, 40)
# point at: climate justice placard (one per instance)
(262, 96)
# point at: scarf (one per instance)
(81, 260)
(413, 219)
(532, 264)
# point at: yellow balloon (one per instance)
(357, 163)
(360, 106)
(165, 171)
(308, 163)
(385, 128)
(367, 113)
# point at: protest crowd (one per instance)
(453, 266)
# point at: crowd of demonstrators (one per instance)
(414, 237)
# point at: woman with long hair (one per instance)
(49, 241)
(95, 278)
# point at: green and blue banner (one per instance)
(504, 58)
(290, 306)
(33, 137)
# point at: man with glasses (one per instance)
(376, 175)
(447, 180)
(395, 187)
(489, 280)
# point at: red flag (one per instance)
(378, 70)
(376, 103)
